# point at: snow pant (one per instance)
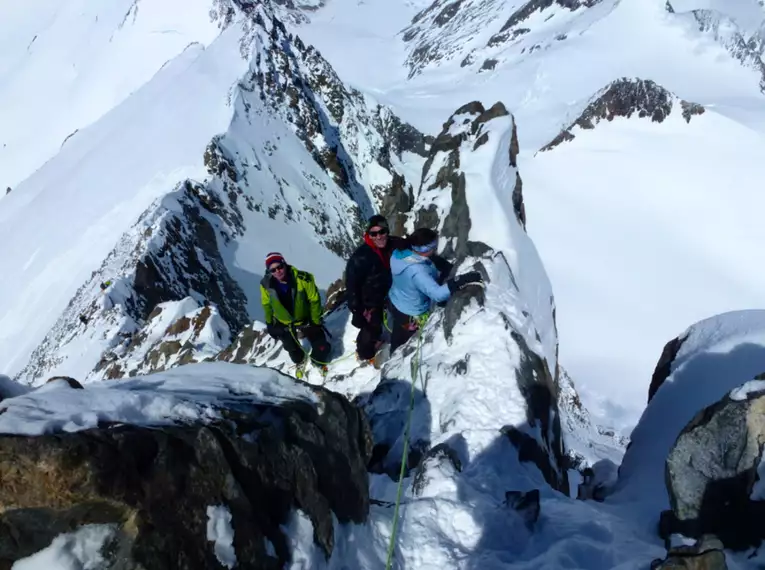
(404, 328)
(370, 334)
(320, 348)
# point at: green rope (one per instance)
(415, 371)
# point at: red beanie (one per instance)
(274, 257)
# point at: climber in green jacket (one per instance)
(292, 307)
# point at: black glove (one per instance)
(443, 267)
(273, 330)
(460, 281)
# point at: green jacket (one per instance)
(305, 297)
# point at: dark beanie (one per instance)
(377, 220)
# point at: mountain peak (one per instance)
(626, 97)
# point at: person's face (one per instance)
(278, 270)
(379, 236)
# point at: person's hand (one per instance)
(461, 281)
(368, 315)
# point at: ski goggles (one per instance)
(425, 248)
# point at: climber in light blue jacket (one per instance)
(415, 284)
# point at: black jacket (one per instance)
(367, 279)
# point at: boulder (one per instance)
(174, 462)
(705, 554)
(713, 471)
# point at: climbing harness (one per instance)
(415, 372)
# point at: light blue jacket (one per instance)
(414, 283)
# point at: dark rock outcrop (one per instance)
(624, 98)
(466, 124)
(664, 366)
(156, 484)
(509, 30)
(746, 47)
(712, 469)
(526, 504)
(706, 554)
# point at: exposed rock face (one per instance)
(625, 98)
(706, 554)
(442, 173)
(155, 485)
(712, 471)
(176, 333)
(343, 130)
(664, 366)
(747, 47)
(511, 30)
(171, 250)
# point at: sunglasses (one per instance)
(381, 232)
(275, 268)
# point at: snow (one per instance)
(78, 550)
(187, 394)
(65, 65)
(220, 531)
(718, 355)
(134, 154)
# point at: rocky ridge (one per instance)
(626, 97)
(746, 46)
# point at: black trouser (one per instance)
(370, 334)
(404, 328)
(320, 348)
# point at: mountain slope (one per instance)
(60, 223)
(65, 65)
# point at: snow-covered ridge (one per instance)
(489, 32)
(738, 26)
(170, 251)
(626, 97)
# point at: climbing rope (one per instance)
(415, 371)
(308, 354)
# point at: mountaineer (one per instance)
(292, 307)
(417, 284)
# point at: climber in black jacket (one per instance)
(367, 281)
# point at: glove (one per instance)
(273, 330)
(460, 281)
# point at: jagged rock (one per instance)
(155, 484)
(664, 366)
(69, 381)
(623, 98)
(712, 471)
(507, 32)
(706, 554)
(527, 505)
(335, 295)
(467, 123)
(597, 480)
(171, 250)
(747, 47)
